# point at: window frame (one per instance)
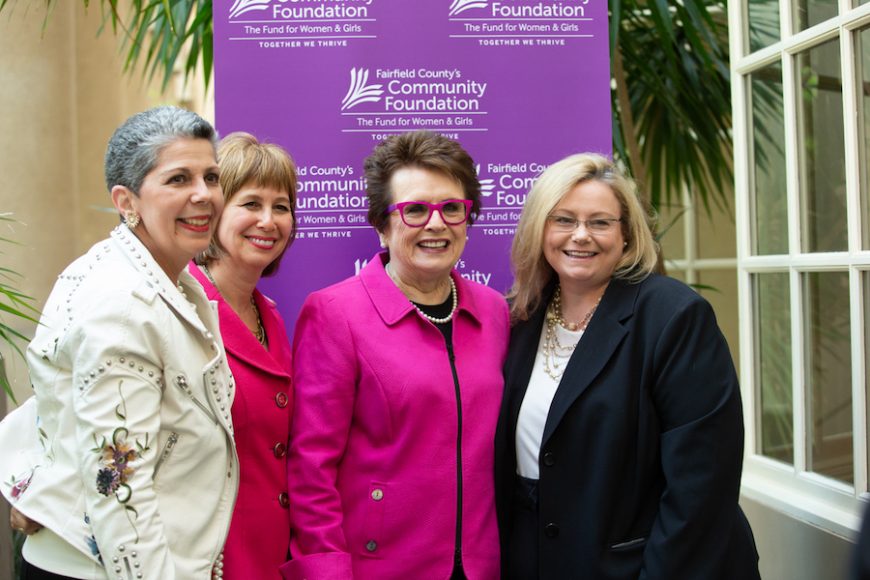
(824, 502)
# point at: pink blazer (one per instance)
(259, 533)
(372, 465)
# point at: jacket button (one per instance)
(377, 494)
(551, 530)
(549, 459)
(283, 499)
(280, 450)
(281, 400)
(371, 545)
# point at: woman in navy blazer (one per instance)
(618, 454)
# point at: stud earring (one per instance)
(624, 244)
(132, 218)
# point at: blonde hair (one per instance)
(531, 271)
(244, 161)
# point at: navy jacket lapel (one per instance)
(601, 339)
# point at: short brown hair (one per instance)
(244, 161)
(423, 149)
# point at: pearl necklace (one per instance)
(260, 333)
(554, 351)
(432, 319)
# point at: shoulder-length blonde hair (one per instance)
(531, 271)
(244, 161)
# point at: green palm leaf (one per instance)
(14, 304)
(672, 102)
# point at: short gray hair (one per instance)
(134, 147)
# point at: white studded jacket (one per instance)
(135, 468)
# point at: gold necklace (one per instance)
(573, 326)
(556, 353)
(260, 332)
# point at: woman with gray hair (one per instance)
(620, 439)
(132, 471)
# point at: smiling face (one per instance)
(585, 262)
(423, 255)
(256, 226)
(179, 202)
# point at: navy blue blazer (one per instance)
(642, 450)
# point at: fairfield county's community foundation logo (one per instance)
(319, 10)
(460, 6)
(487, 186)
(360, 91)
(240, 7)
(512, 9)
(416, 90)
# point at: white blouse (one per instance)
(536, 403)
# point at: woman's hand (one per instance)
(20, 522)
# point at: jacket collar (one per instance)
(392, 304)
(239, 340)
(605, 332)
(176, 296)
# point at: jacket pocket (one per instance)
(629, 545)
(168, 447)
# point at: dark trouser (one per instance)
(31, 572)
(522, 557)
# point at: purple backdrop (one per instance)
(520, 83)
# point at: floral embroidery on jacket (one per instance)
(115, 464)
(19, 486)
(91, 541)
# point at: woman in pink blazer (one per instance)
(398, 379)
(256, 227)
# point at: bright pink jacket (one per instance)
(259, 533)
(372, 464)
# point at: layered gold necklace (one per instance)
(556, 354)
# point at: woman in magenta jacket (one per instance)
(256, 227)
(398, 384)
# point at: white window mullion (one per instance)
(793, 155)
(799, 371)
(786, 26)
(741, 112)
(859, 406)
(851, 133)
